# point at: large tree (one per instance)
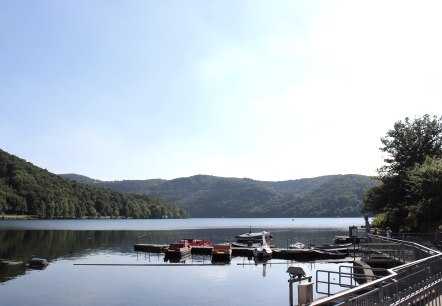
(405, 198)
(411, 142)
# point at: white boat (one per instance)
(297, 245)
(343, 247)
(263, 251)
(252, 236)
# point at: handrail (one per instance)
(341, 275)
(405, 282)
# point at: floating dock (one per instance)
(278, 253)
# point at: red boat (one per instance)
(178, 249)
(197, 242)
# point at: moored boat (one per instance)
(249, 244)
(328, 254)
(343, 247)
(178, 249)
(263, 251)
(297, 245)
(252, 236)
(221, 252)
(197, 242)
(38, 263)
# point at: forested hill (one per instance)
(211, 196)
(29, 190)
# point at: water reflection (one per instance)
(10, 271)
(176, 259)
(22, 245)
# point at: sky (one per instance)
(268, 90)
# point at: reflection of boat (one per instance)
(175, 259)
(263, 262)
(221, 252)
(263, 251)
(252, 236)
(178, 249)
(197, 242)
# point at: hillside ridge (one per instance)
(29, 191)
(213, 196)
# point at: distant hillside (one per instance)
(211, 196)
(80, 178)
(29, 190)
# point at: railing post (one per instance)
(290, 292)
(328, 283)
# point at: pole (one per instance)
(290, 292)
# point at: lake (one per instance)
(77, 251)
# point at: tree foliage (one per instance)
(411, 142)
(409, 194)
(28, 190)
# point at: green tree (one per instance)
(425, 188)
(409, 175)
(411, 142)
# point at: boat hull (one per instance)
(332, 247)
(252, 237)
(179, 249)
(262, 253)
(221, 253)
(178, 253)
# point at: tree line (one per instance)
(29, 190)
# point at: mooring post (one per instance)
(298, 273)
(290, 292)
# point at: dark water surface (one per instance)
(72, 247)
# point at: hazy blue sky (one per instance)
(270, 90)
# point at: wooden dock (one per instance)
(278, 253)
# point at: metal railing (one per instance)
(343, 280)
(417, 282)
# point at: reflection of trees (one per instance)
(8, 272)
(22, 245)
(52, 244)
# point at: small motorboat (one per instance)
(342, 247)
(197, 242)
(178, 249)
(327, 254)
(221, 252)
(297, 245)
(252, 236)
(38, 263)
(249, 244)
(263, 251)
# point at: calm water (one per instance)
(143, 278)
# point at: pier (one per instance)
(278, 253)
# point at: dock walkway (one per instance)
(278, 253)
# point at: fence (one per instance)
(417, 282)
